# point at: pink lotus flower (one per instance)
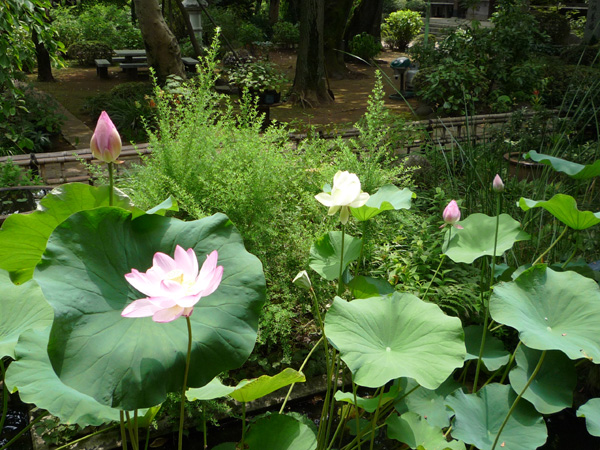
(497, 184)
(106, 142)
(173, 285)
(451, 215)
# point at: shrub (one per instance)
(12, 175)
(400, 28)
(228, 22)
(365, 46)
(86, 52)
(249, 33)
(286, 33)
(553, 23)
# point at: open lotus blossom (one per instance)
(451, 215)
(106, 142)
(345, 194)
(173, 285)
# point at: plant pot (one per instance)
(523, 169)
(269, 97)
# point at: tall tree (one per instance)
(274, 11)
(337, 14)
(310, 87)
(366, 18)
(161, 45)
(592, 24)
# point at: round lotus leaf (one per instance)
(388, 197)
(552, 388)
(133, 363)
(591, 412)
(552, 311)
(564, 208)
(494, 355)
(32, 375)
(326, 252)
(21, 308)
(417, 433)
(250, 390)
(478, 417)
(476, 238)
(214, 389)
(574, 170)
(280, 432)
(383, 338)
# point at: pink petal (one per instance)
(168, 315)
(140, 308)
(188, 301)
(186, 261)
(142, 282)
(170, 288)
(211, 284)
(187, 312)
(163, 262)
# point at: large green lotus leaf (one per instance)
(133, 363)
(574, 170)
(388, 197)
(478, 418)
(429, 404)
(32, 375)
(552, 388)
(280, 432)
(591, 412)
(214, 389)
(564, 208)
(494, 354)
(326, 251)
(416, 432)
(249, 390)
(21, 308)
(384, 338)
(476, 238)
(367, 287)
(552, 311)
(23, 237)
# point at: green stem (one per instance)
(184, 388)
(434, 275)
(111, 183)
(243, 425)
(574, 250)
(23, 431)
(123, 433)
(340, 279)
(147, 443)
(204, 433)
(332, 399)
(5, 395)
(375, 417)
(362, 246)
(539, 258)
(514, 405)
(487, 304)
(132, 435)
(358, 433)
(324, 418)
(87, 436)
(510, 361)
(339, 427)
(299, 370)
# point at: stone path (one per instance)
(75, 132)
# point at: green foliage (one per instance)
(130, 106)
(390, 6)
(400, 28)
(365, 46)
(107, 23)
(13, 175)
(228, 22)
(257, 75)
(86, 52)
(249, 33)
(286, 33)
(553, 23)
(33, 121)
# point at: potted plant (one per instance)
(262, 79)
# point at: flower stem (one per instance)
(510, 361)
(340, 279)
(355, 387)
(123, 433)
(514, 405)
(243, 425)
(434, 275)
(375, 417)
(111, 183)
(539, 258)
(5, 395)
(87, 436)
(185, 377)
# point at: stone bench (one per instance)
(102, 66)
(122, 59)
(131, 68)
(189, 63)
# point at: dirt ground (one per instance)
(75, 84)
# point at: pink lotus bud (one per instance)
(498, 185)
(451, 214)
(106, 142)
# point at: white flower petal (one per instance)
(362, 199)
(324, 199)
(344, 215)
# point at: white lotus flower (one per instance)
(345, 194)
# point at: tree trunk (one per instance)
(274, 11)
(43, 59)
(310, 87)
(366, 19)
(336, 17)
(190, 29)
(161, 46)
(591, 34)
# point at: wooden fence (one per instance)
(68, 166)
